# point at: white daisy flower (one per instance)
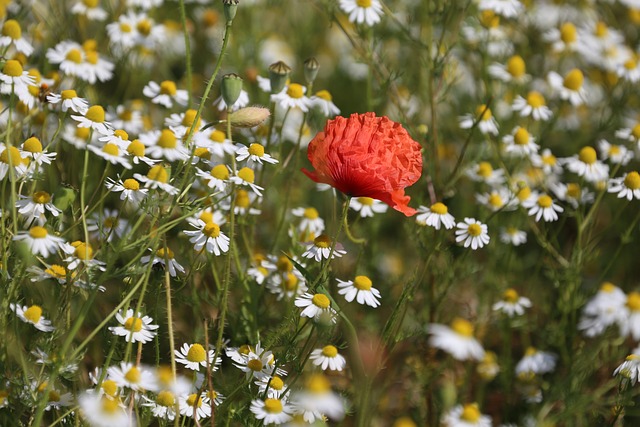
(273, 386)
(604, 309)
(12, 36)
(271, 410)
(616, 154)
(69, 100)
(311, 222)
(34, 207)
(107, 225)
(90, 9)
(209, 237)
(629, 319)
(94, 118)
(629, 369)
(512, 304)
(194, 406)
(630, 134)
(468, 415)
(536, 362)
(320, 249)
(316, 306)
(217, 179)
(246, 177)
(562, 39)
(498, 199)
(367, 206)
(487, 124)
(627, 186)
(165, 93)
(317, 401)
(520, 143)
(215, 141)
(257, 363)
(134, 329)
(547, 162)
(328, 357)
(359, 289)
(100, 410)
(533, 106)
(165, 144)
(163, 406)
(157, 177)
(514, 71)
(456, 340)
(39, 241)
(324, 102)
(129, 189)
(472, 233)
(166, 258)
(292, 97)
(192, 356)
(32, 315)
(435, 216)
(12, 158)
(542, 206)
(254, 153)
(587, 165)
(570, 88)
(111, 153)
(137, 378)
(362, 11)
(81, 254)
(484, 172)
(513, 236)
(14, 79)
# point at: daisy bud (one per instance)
(231, 88)
(248, 117)
(311, 66)
(230, 9)
(278, 75)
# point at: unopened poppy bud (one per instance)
(248, 117)
(230, 9)
(278, 76)
(311, 66)
(231, 88)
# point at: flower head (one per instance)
(367, 156)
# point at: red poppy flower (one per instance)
(367, 156)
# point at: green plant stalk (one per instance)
(172, 345)
(187, 45)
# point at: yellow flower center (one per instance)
(311, 213)
(295, 91)
(166, 398)
(329, 351)
(38, 232)
(462, 327)
(470, 413)
(524, 193)
(273, 406)
(573, 190)
(276, 383)
(56, 271)
(167, 139)
(90, 3)
(92, 56)
(321, 301)
(74, 55)
(544, 201)
(133, 375)
(632, 180)
(133, 324)
(516, 66)
(162, 253)
(324, 94)
(485, 170)
(322, 241)
(362, 283)
(54, 396)
(11, 28)
(439, 208)
(489, 19)
(633, 301)
(284, 264)
(318, 383)
(125, 115)
(202, 153)
(607, 287)
(220, 172)
(68, 94)
(13, 154)
(131, 184)
(144, 27)
(196, 353)
(367, 201)
(110, 406)
(110, 387)
(33, 314)
(256, 150)
(168, 87)
(83, 251)
(111, 149)
(125, 27)
(136, 148)
(95, 113)
(636, 131)
(111, 222)
(217, 136)
(588, 155)
(614, 150)
(568, 33)
(573, 80)
(510, 295)
(122, 134)
(158, 173)
(483, 112)
(190, 117)
(255, 365)
(495, 200)
(290, 282)
(246, 175)
(521, 137)
(12, 68)
(630, 64)
(41, 197)
(474, 230)
(601, 29)
(82, 133)
(211, 230)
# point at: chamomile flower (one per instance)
(514, 71)
(456, 340)
(32, 315)
(195, 406)
(112, 153)
(367, 206)
(137, 378)
(57, 400)
(631, 134)
(629, 370)
(137, 328)
(166, 258)
(54, 271)
(69, 56)
(484, 172)
(629, 70)
(616, 154)
(13, 78)
(107, 225)
(587, 165)
(536, 362)
(127, 118)
(487, 124)
(100, 410)
(359, 289)
(94, 118)
(512, 304)
(311, 222)
(533, 106)
(157, 178)
(627, 186)
(33, 207)
(163, 406)
(316, 401)
(129, 189)
(12, 36)
(324, 102)
(256, 363)
(435, 216)
(95, 68)
(208, 236)
(32, 150)
(328, 357)
(215, 141)
(513, 236)
(81, 253)
(246, 177)
(254, 153)
(242, 101)
(217, 178)
(80, 138)
(468, 415)
(472, 233)
(320, 249)
(40, 241)
(542, 206)
(274, 387)
(629, 320)
(244, 203)
(165, 144)
(11, 158)
(315, 306)
(564, 38)
(520, 143)
(362, 11)
(499, 199)
(570, 87)
(192, 356)
(69, 100)
(166, 93)
(292, 97)
(604, 309)
(287, 285)
(547, 161)
(271, 410)
(90, 9)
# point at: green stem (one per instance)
(187, 45)
(334, 242)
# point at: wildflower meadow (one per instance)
(319, 213)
